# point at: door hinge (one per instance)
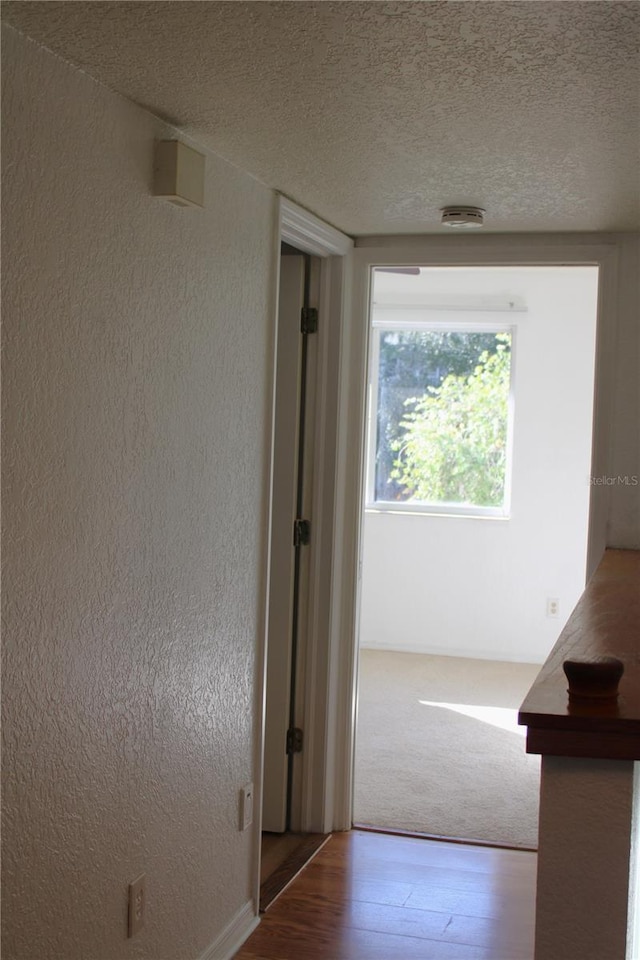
(309, 320)
(301, 533)
(294, 740)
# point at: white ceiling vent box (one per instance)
(179, 174)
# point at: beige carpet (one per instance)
(438, 749)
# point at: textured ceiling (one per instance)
(374, 115)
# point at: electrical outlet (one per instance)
(246, 806)
(553, 607)
(137, 904)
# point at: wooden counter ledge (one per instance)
(606, 622)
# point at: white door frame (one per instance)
(307, 233)
(496, 250)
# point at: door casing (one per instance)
(316, 813)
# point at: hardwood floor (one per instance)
(370, 896)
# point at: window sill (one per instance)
(407, 510)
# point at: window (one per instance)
(440, 407)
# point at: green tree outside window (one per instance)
(451, 445)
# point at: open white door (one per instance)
(285, 479)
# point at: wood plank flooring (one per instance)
(369, 896)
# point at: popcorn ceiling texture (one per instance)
(387, 111)
(136, 338)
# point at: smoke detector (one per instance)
(462, 218)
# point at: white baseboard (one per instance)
(446, 651)
(234, 934)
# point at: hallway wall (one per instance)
(137, 350)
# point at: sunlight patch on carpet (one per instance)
(456, 771)
(502, 717)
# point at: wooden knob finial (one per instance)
(593, 678)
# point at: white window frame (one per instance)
(415, 317)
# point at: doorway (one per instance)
(296, 786)
(475, 522)
(313, 806)
(290, 536)
(285, 846)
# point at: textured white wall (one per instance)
(583, 859)
(136, 339)
(478, 588)
(624, 510)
